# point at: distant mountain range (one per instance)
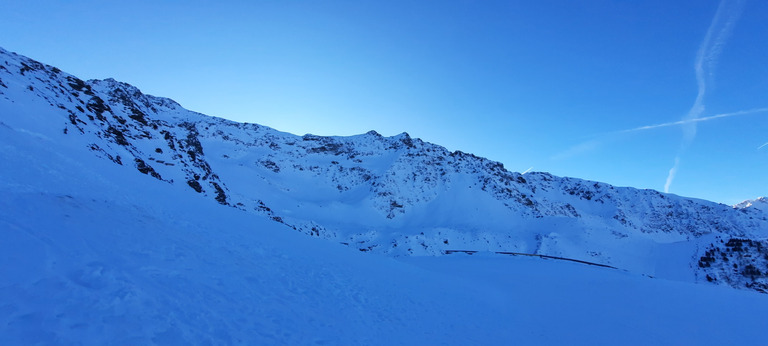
(396, 195)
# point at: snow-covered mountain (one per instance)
(391, 195)
(760, 203)
(127, 219)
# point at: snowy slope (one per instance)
(392, 195)
(94, 253)
(760, 203)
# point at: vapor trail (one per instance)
(696, 120)
(594, 143)
(672, 173)
(704, 65)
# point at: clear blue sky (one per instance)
(542, 84)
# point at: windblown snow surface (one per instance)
(96, 249)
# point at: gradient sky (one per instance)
(552, 85)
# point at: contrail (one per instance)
(527, 170)
(672, 173)
(696, 120)
(577, 149)
(704, 65)
(590, 145)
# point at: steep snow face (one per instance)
(394, 195)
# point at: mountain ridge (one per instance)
(757, 203)
(394, 195)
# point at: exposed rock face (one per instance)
(737, 262)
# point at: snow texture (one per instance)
(130, 220)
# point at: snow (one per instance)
(95, 252)
(127, 259)
(760, 203)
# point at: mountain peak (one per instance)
(760, 203)
(128, 94)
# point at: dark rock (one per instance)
(195, 185)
